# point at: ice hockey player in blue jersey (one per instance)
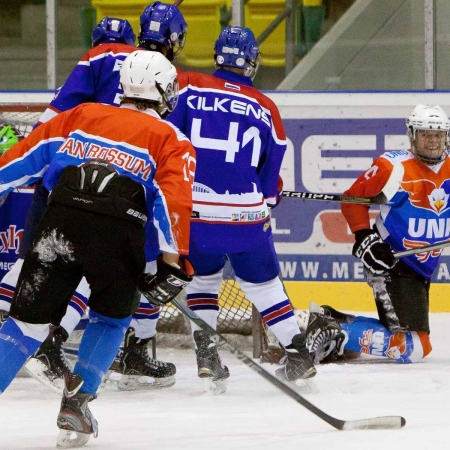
(96, 79)
(236, 183)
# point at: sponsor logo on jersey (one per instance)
(396, 346)
(425, 194)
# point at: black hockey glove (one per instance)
(374, 253)
(168, 282)
(3, 316)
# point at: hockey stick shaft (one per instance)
(373, 423)
(177, 3)
(375, 200)
(425, 248)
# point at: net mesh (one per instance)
(22, 115)
(235, 314)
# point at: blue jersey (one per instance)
(94, 79)
(240, 143)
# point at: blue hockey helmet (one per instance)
(162, 25)
(111, 29)
(237, 47)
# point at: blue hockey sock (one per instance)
(368, 336)
(98, 347)
(15, 348)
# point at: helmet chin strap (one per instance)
(428, 160)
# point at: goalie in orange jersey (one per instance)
(409, 219)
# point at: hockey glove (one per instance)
(376, 255)
(168, 282)
(3, 316)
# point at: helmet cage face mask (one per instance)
(8, 138)
(163, 25)
(237, 47)
(113, 30)
(169, 98)
(428, 128)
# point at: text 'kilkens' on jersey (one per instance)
(227, 105)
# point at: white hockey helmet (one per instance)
(428, 118)
(148, 75)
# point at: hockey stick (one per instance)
(388, 191)
(378, 199)
(385, 422)
(425, 248)
(177, 2)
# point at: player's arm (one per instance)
(271, 160)
(376, 255)
(27, 161)
(369, 184)
(173, 202)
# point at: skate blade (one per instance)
(143, 383)
(306, 386)
(71, 439)
(38, 371)
(302, 385)
(214, 387)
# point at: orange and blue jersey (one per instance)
(417, 215)
(138, 144)
(240, 142)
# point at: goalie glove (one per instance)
(169, 281)
(376, 255)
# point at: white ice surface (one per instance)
(252, 414)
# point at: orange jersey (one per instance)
(138, 144)
(417, 215)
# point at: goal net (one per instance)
(236, 316)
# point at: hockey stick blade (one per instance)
(388, 422)
(424, 249)
(378, 199)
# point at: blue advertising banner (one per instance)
(312, 238)
(12, 220)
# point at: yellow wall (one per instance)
(353, 296)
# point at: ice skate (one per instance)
(324, 335)
(49, 364)
(140, 371)
(75, 420)
(210, 367)
(299, 365)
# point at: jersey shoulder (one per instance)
(397, 156)
(108, 49)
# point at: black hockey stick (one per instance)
(388, 191)
(425, 248)
(385, 422)
(378, 199)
